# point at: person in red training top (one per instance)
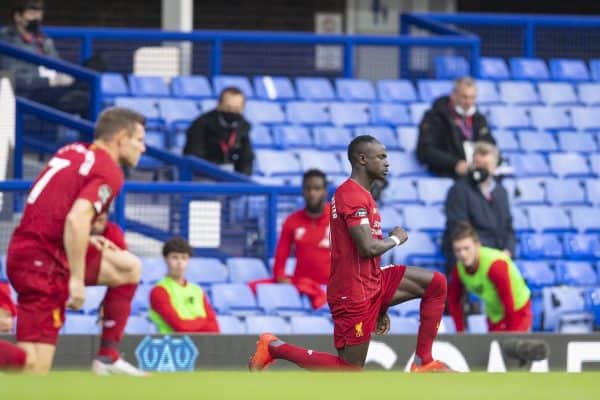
(177, 305)
(307, 230)
(491, 275)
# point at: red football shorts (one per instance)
(523, 321)
(42, 286)
(93, 259)
(353, 322)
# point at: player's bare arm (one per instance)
(78, 225)
(369, 247)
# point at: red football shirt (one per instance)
(353, 278)
(77, 171)
(310, 238)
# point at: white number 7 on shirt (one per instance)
(55, 164)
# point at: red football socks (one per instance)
(12, 357)
(116, 308)
(432, 308)
(309, 359)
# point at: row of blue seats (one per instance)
(561, 69)
(543, 118)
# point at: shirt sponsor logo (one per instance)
(166, 354)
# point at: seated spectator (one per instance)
(177, 305)
(481, 201)
(307, 231)
(222, 135)
(449, 129)
(492, 276)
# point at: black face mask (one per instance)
(33, 26)
(231, 118)
(479, 175)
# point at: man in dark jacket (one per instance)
(449, 129)
(481, 201)
(222, 135)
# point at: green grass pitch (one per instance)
(284, 385)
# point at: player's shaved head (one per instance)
(115, 119)
(359, 146)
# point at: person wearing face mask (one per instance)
(449, 129)
(481, 200)
(221, 136)
(25, 32)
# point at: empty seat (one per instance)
(565, 192)
(432, 191)
(592, 301)
(314, 89)
(207, 105)
(246, 269)
(589, 93)
(148, 86)
(410, 308)
(567, 69)
(529, 191)
(401, 191)
(509, 117)
(304, 112)
(558, 301)
(532, 164)
(332, 137)
(153, 269)
(139, 325)
(537, 274)
(349, 113)
(78, 324)
(390, 218)
(549, 118)
(575, 273)
(428, 219)
(94, 295)
(323, 160)
(264, 112)
(506, 141)
(592, 188)
(582, 142)
(595, 69)
(267, 323)
(451, 67)
(407, 138)
(279, 298)
(260, 136)
(113, 84)
(146, 107)
(569, 165)
(518, 93)
(419, 246)
(540, 246)
(549, 219)
(529, 68)
(231, 325)
(557, 93)
(390, 114)
(156, 140)
(493, 68)
(487, 93)
(585, 219)
(477, 324)
(417, 110)
(272, 162)
(595, 163)
(586, 118)
(520, 220)
(400, 90)
(354, 89)
(221, 82)
(206, 270)
(191, 87)
(430, 89)
(384, 134)
(234, 298)
(581, 246)
(141, 298)
(404, 164)
(311, 325)
(403, 325)
(537, 141)
(274, 88)
(178, 113)
(292, 136)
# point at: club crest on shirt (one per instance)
(299, 233)
(361, 212)
(358, 329)
(104, 193)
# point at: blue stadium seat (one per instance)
(404, 164)
(581, 142)
(94, 295)
(537, 141)
(274, 88)
(451, 67)
(529, 68)
(586, 119)
(430, 89)
(319, 89)
(178, 142)
(260, 136)
(477, 324)
(153, 269)
(390, 218)
(279, 298)
(410, 308)
(273, 163)
(506, 141)
(264, 112)
(557, 93)
(540, 246)
(537, 274)
(592, 189)
(146, 107)
(311, 325)
(549, 118)
(427, 219)
(586, 219)
(566, 165)
(267, 323)
(565, 192)
(141, 299)
(592, 303)
(332, 137)
(206, 270)
(113, 84)
(3, 276)
(529, 191)
(560, 301)
(154, 139)
(78, 324)
(292, 136)
(568, 69)
(432, 191)
(178, 113)
(417, 110)
(403, 325)
(139, 325)
(518, 93)
(349, 113)
(532, 164)
(323, 160)
(207, 105)
(595, 163)
(575, 273)
(191, 87)
(520, 220)
(447, 325)
(148, 86)
(234, 298)
(549, 219)
(581, 246)
(231, 325)
(595, 69)
(400, 191)
(589, 93)
(221, 82)
(246, 269)
(354, 89)
(309, 113)
(493, 68)
(407, 138)
(384, 134)
(398, 91)
(390, 114)
(509, 117)
(487, 93)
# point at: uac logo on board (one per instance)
(166, 354)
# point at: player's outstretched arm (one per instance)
(369, 247)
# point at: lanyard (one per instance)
(466, 126)
(226, 146)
